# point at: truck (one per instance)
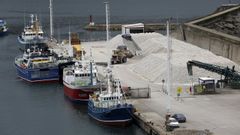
(120, 55)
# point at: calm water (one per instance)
(41, 109)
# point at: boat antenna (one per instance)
(91, 72)
(24, 19)
(51, 19)
(108, 78)
(36, 18)
(58, 30)
(32, 17)
(91, 53)
(69, 35)
(118, 89)
(169, 83)
(82, 55)
(107, 19)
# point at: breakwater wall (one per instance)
(218, 33)
(150, 27)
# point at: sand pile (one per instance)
(154, 65)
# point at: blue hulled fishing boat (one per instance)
(3, 27)
(110, 107)
(36, 65)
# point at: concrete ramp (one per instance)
(132, 46)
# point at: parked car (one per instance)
(179, 117)
(173, 123)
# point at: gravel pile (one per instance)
(152, 64)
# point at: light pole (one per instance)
(51, 19)
(169, 67)
(107, 19)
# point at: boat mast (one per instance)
(107, 19)
(118, 89)
(82, 55)
(108, 79)
(32, 17)
(91, 67)
(69, 36)
(24, 19)
(169, 79)
(51, 19)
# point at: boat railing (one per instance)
(108, 104)
(79, 82)
(18, 59)
(43, 65)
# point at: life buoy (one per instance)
(23, 65)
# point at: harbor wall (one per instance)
(220, 44)
(155, 126)
(150, 27)
(213, 33)
(147, 125)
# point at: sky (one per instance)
(118, 8)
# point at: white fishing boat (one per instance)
(3, 27)
(32, 33)
(81, 79)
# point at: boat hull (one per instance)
(3, 33)
(38, 75)
(120, 115)
(33, 41)
(80, 94)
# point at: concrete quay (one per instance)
(206, 114)
(149, 27)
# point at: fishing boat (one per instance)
(37, 65)
(81, 79)
(33, 33)
(110, 107)
(3, 27)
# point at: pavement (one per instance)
(218, 113)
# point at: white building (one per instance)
(133, 28)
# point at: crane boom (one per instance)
(231, 75)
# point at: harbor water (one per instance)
(42, 109)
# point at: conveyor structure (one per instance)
(232, 77)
